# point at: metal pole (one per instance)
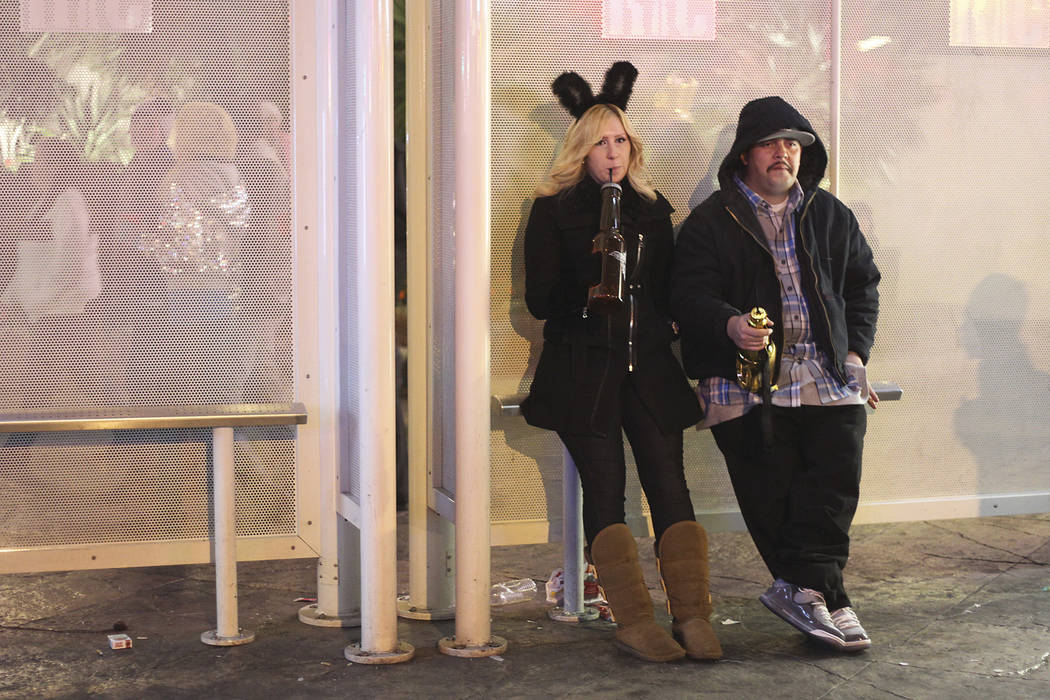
(226, 633)
(430, 581)
(338, 582)
(572, 540)
(374, 310)
(573, 608)
(835, 98)
(472, 261)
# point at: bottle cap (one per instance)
(757, 319)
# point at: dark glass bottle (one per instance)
(607, 296)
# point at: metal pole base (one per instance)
(357, 655)
(449, 645)
(310, 615)
(588, 614)
(212, 638)
(408, 611)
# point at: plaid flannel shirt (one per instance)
(801, 362)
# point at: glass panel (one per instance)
(145, 258)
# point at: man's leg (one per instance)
(764, 485)
(824, 491)
(761, 484)
(823, 502)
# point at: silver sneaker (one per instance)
(805, 610)
(846, 620)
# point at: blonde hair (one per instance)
(569, 165)
(203, 129)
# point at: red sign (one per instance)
(658, 19)
(86, 16)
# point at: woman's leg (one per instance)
(600, 463)
(658, 457)
(681, 542)
(611, 546)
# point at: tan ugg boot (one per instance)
(615, 556)
(684, 569)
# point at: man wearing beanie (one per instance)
(771, 238)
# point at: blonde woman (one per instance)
(198, 244)
(205, 203)
(600, 376)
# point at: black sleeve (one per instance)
(860, 292)
(658, 272)
(548, 289)
(697, 284)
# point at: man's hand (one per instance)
(746, 337)
(853, 358)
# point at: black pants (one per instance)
(603, 470)
(799, 500)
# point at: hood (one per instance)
(760, 118)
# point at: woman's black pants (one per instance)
(603, 471)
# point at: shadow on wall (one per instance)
(1004, 426)
(552, 119)
(709, 182)
(540, 445)
(521, 320)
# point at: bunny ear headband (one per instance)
(575, 94)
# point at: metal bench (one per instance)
(573, 608)
(222, 419)
(511, 405)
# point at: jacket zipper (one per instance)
(764, 245)
(633, 308)
(816, 278)
(823, 307)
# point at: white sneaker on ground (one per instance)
(805, 610)
(846, 621)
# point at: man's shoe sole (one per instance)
(820, 635)
(858, 645)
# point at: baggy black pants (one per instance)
(603, 471)
(798, 500)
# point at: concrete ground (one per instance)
(956, 609)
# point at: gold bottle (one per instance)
(749, 362)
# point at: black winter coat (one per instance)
(584, 358)
(723, 265)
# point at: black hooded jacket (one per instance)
(584, 359)
(724, 267)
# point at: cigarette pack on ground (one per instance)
(119, 641)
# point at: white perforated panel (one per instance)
(442, 351)
(145, 258)
(349, 250)
(942, 152)
(684, 105)
(941, 155)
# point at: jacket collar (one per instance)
(586, 195)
